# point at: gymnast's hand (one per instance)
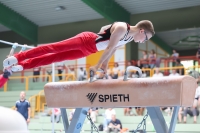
(104, 68)
(93, 68)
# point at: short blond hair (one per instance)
(147, 26)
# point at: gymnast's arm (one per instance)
(104, 65)
(117, 33)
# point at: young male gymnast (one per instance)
(108, 39)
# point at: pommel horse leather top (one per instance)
(140, 92)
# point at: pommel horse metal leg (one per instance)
(64, 118)
(77, 121)
(174, 119)
(159, 121)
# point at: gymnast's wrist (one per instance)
(97, 66)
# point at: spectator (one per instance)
(195, 74)
(36, 72)
(114, 125)
(93, 113)
(192, 111)
(180, 114)
(49, 112)
(175, 56)
(71, 71)
(128, 111)
(152, 59)
(140, 66)
(144, 60)
(115, 71)
(60, 67)
(174, 73)
(183, 112)
(139, 111)
(178, 64)
(197, 97)
(134, 74)
(57, 115)
(158, 61)
(108, 115)
(129, 63)
(71, 114)
(23, 107)
(109, 71)
(49, 72)
(157, 73)
(145, 73)
(82, 74)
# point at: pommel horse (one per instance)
(151, 93)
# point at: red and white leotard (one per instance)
(104, 38)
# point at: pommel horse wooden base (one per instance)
(151, 93)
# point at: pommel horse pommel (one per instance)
(151, 93)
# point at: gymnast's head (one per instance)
(144, 31)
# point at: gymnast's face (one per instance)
(142, 36)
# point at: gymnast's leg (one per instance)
(48, 59)
(84, 41)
